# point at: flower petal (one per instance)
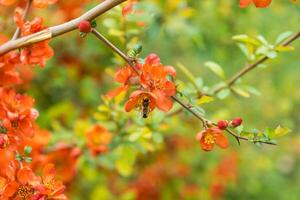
(221, 140)
(262, 3)
(244, 3)
(162, 102)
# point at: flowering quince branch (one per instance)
(132, 64)
(18, 30)
(249, 67)
(207, 124)
(55, 31)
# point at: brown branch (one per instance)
(18, 30)
(55, 31)
(250, 67)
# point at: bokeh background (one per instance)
(159, 158)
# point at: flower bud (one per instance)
(84, 26)
(236, 122)
(3, 141)
(222, 124)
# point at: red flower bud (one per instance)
(3, 141)
(222, 124)
(236, 122)
(84, 26)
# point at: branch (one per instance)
(250, 67)
(18, 31)
(55, 31)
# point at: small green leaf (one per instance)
(216, 68)
(223, 94)
(187, 72)
(279, 132)
(205, 99)
(283, 36)
(245, 39)
(240, 92)
(28, 159)
(27, 150)
(284, 48)
(263, 40)
(271, 54)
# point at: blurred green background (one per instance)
(163, 160)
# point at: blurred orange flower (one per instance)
(64, 157)
(257, 3)
(51, 188)
(36, 3)
(211, 136)
(39, 52)
(17, 113)
(7, 69)
(19, 184)
(97, 140)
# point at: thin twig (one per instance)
(250, 67)
(115, 49)
(26, 11)
(55, 31)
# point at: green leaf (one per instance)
(245, 39)
(271, 54)
(283, 36)
(284, 48)
(187, 72)
(279, 132)
(223, 94)
(263, 40)
(205, 99)
(28, 159)
(240, 92)
(27, 150)
(253, 90)
(216, 68)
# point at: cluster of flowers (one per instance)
(153, 87)
(20, 167)
(215, 135)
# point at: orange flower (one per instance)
(128, 8)
(137, 99)
(154, 79)
(39, 52)
(125, 76)
(51, 188)
(7, 69)
(43, 3)
(97, 140)
(17, 113)
(64, 157)
(257, 3)
(36, 3)
(19, 184)
(211, 136)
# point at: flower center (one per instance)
(25, 192)
(209, 139)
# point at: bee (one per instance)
(145, 107)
